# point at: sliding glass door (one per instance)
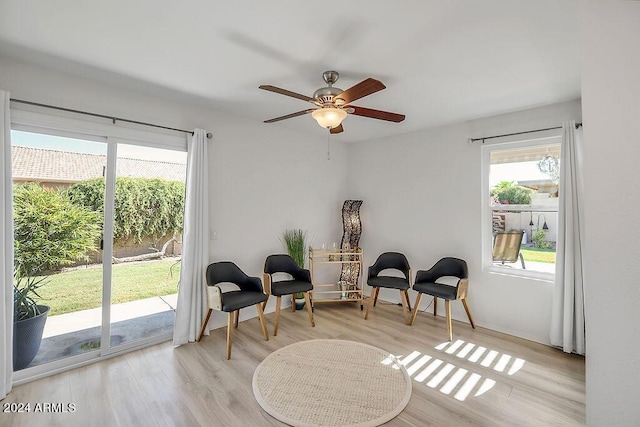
(99, 219)
(148, 206)
(57, 237)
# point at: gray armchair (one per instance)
(426, 283)
(247, 291)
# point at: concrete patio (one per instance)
(74, 333)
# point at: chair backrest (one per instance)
(227, 271)
(450, 266)
(506, 245)
(386, 260)
(282, 263)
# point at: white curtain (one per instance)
(6, 253)
(192, 302)
(567, 317)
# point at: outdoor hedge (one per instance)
(144, 207)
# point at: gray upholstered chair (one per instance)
(425, 283)
(393, 261)
(229, 289)
(300, 282)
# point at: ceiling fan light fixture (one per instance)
(329, 117)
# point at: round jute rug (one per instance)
(331, 383)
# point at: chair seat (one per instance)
(437, 290)
(389, 282)
(235, 300)
(288, 287)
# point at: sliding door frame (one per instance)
(100, 130)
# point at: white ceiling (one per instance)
(442, 61)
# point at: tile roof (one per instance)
(37, 164)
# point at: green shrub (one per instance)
(539, 238)
(49, 230)
(143, 207)
(507, 192)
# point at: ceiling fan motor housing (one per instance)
(326, 95)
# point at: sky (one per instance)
(523, 171)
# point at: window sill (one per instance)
(523, 274)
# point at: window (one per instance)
(520, 207)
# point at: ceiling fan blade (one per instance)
(377, 114)
(337, 129)
(364, 88)
(286, 92)
(288, 116)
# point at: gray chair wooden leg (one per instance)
(466, 308)
(263, 324)
(372, 301)
(277, 319)
(406, 296)
(403, 300)
(416, 308)
(447, 307)
(229, 333)
(204, 324)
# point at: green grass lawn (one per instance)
(539, 255)
(82, 289)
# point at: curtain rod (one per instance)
(517, 133)
(113, 119)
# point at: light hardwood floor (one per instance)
(523, 384)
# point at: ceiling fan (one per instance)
(334, 104)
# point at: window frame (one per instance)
(553, 138)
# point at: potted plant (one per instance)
(29, 318)
(295, 241)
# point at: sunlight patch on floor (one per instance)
(452, 380)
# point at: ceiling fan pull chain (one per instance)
(328, 144)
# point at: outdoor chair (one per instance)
(506, 247)
(229, 289)
(297, 280)
(426, 283)
(390, 261)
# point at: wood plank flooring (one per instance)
(481, 378)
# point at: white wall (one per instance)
(264, 178)
(422, 197)
(611, 90)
